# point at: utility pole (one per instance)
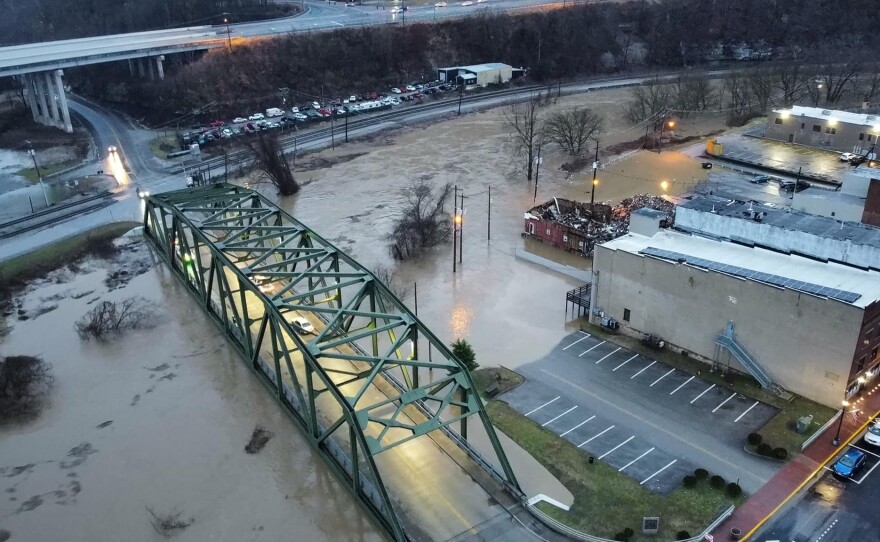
(346, 125)
(454, 225)
(33, 155)
(537, 172)
(797, 181)
(460, 96)
(332, 129)
(461, 228)
(228, 32)
(489, 219)
(595, 182)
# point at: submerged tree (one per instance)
(572, 130)
(269, 158)
(424, 222)
(524, 122)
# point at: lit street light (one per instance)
(664, 185)
(668, 123)
(843, 405)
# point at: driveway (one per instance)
(684, 418)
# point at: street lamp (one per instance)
(671, 124)
(843, 405)
(664, 185)
(228, 32)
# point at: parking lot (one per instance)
(641, 416)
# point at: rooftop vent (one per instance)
(826, 112)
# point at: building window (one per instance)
(829, 130)
(580, 244)
(548, 231)
(626, 315)
(861, 364)
(564, 238)
(802, 126)
(817, 128)
(861, 137)
(833, 131)
(777, 121)
(531, 228)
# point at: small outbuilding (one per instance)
(478, 75)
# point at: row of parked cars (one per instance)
(276, 118)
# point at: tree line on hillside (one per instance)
(46, 20)
(554, 45)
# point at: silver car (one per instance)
(872, 437)
(302, 326)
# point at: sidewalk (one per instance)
(802, 469)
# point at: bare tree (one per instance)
(524, 122)
(112, 317)
(23, 379)
(424, 223)
(693, 93)
(868, 83)
(648, 100)
(391, 280)
(791, 82)
(760, 83)
(837, 78)
(738, 90)
(572, 130)
(269, 158)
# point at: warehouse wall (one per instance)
(805, 343)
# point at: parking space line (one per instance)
(557, 417)
(746, 412)
(702, 394)
(862, 479)
(616, 447)
(596, 436)
(585, 337)
(625, 362)
(608, 355)
(542, 406)
(634, 460)
(864, 450)
(591, 349)
(643, 370)
(578, 425)
(658, 472)
(683, 385)
(662, 377)
(732, 395)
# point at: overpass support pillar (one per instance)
(40, 88)
(28, 82)
(141, 73)
(51, 90)
(62, 98)
(159, 68)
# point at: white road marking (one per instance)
(722, 403)
(702, 394)
(578, 425)
(591, 349)
(658, 472)
(625, 362)
(662, 377)
(864, 450)
(634, 460)
(683, 385)
(642, 371)
(616, 447)
(608, 355)
(334, 22)
(746, 412)
(596, 436)
(585, 337)
(542, 406)
(557, 417)
(862, 479)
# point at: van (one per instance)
(274, 112)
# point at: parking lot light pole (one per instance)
(33, 155)
(843, 405)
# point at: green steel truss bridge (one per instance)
(379, 396)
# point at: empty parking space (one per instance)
(596, 436)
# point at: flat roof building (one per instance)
(478, 74)
(790, 320)
(830, 129)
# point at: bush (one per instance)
(754, 439)
(701, 474)
(620, 537)
(112, 317)
(465, 352)
(765, 449)
(23, 380)
(780, 453)
(682, 535)
(733, 490)
(689, 481)
(628, 533)
(717, 482)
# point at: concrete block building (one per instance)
(857, 200)
(840, 131)
(477, 75)
(796, 309)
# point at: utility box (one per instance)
(803, 424)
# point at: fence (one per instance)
(812, 438)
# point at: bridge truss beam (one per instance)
(359, 383)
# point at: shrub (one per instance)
(465, 352)
(682, 535)
(113, 317)
(733, 490)
(754, 439)
(780, 453)
(23, 382)
(765, 449)
(701, 474)
(620, 537)
(627, 532)
(717, 482)
(689, 481)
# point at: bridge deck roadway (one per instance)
(436, 495)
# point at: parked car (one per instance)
(760, 179)
(847, 156)
(316, 105)
(468, 3)
(300, 117)
(395, 101)
(850, 464)
(324, 112)
(239, 120)
(302, 326)
(789, 186)
(410, 88)
(872, 437)
(257, 116)
(395, 90)
(294, 109)
(217, 123)
(227, 132)
(440, 5)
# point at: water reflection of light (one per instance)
(116, 168)
(460, 321)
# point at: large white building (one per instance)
(801, 313)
